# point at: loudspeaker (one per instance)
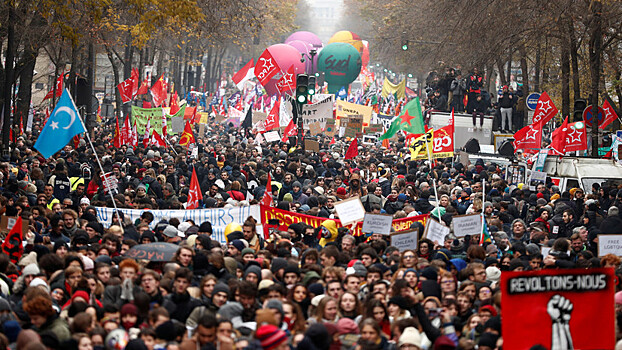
(82, 92)
(471, 146)
(506, 149)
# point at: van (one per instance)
(582, 172)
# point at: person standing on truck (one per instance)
(478, 107)
(474, 85)
(458, 88)
(506, 105)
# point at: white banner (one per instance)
(318, 112)
(218, 217)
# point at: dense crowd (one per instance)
(72, 287)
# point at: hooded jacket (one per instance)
(330, 234)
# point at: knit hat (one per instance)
(292, 268)
(238, 244)
(310, 276)
(489, 308)
(11, 329)
(270, 336)
(316, 288)
(85, 201)
(31, 269)
(430, 274)
(4, 305)
(347, 326)
(166, 331)
(493, 274)
(170, 231)
(221, 288)
(400, 301)
(129, 309)
(275, 304)
(491, 249)
(341, 191)
(36, 282)
(277, 264)
(410, 336)
(184, 226)
(248, 251)
(488, 339)
(253, 269)
(264, 284)
(206, 227)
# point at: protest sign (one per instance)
(259, 116)
(110, 182)
(315, 128)
(384, 120)
(204, 117)
(201, 130)
(374, 129)
(350, 210)
(272, 136)
(320, 111)
(177, 125)
(7, 223)
(354, 127)
(377, 223)
(142, 115)
(545, 251)
(558, 309)
(218, 217)
(536, 177)
(405, 240)
(329, 129)
(467, 225)
(312, 145)
(346, 108)
(286, 218)
(609, 244)
(436, 232)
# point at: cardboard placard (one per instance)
(312, 145)
(315, 128)
(436, 232)
(464, 159)
(377, 223)
(204, 117)
(110, 182)
(350, 210)
(178, 124)
(609, 244)
(272, 136)
(374, 129)
(467, 225)
(405, 240)
(355, 126)
(555, 309)
(536, 178)
(329, 129)
(201, 130)
(219, 118)
(7, 222)
(259, 116)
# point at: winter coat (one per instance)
(458, 87)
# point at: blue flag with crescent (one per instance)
(64, 123)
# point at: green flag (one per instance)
(410, 120)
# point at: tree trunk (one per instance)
(523, 67)
(595, 51)
(509, 71)
(502, 77)
(574, 60)
(8, 81)
(565, 66)
(115, 72)
(536, 83)
(25, 81)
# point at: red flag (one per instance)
(576, 138)
(353, 150)
(194, 193)
(134, 78)
(332, 141)
(76, 141)
(164, 124)
(174, 103)
(528, 137)
(610, 115)
(156, 139)
(187, 137)
(47, 116)
(544, 111)
(558, 138)
(59, 87)
(266, 67)
(12, 244)
(289, 131)
(158, 91)
(287, 82)
(147, 133)
(21, 124)
(243, 75)
(125, 89)
(134, 135)
(117, 135)
(267, 195)
(126, 132)
(144, 88)
(272, 120)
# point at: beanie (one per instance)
(238, 244)
(270, 336)
(275, 304)
(277, 264)
(248, 251)
(488, 339)
(221, 288)
(166, 331)
(410, 336)
(129, 309)
(253, 269)
(292, 268)
(31, 269)
(347, 326)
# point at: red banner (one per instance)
(287, 218)
(557, 309)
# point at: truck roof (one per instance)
(583, 167)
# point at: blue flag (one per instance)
(64, 123)
(342, 94)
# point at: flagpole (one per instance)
(173, 148)
(427, 146)
(483, 201)
(114, 204)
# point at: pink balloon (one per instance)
(307, 37)
(305, 48)
(285, 56)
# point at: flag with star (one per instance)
(63, 125)
(410, 120)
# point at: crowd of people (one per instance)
(71, 285)
(468, 94)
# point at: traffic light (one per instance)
(580, 104)
(302, 88)
(311, 85)
(404, 45)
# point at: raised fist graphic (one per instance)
(560, 308)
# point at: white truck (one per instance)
(571, 172)
(464, 129)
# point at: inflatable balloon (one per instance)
(273, 62)
(341, 64)
(306, 37)
(351, 38)
(305, 48)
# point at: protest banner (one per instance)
(354, 127)
(218, 217)
(405, 240)
(346, 108)
(142, 115)
(286, 218)
(558, 309)
(467, 225)
(259, 116)
(204, 118)
(609, 244)
(377, 223)
(374, 129)
(320, 111)
(436, 232)
(350, 210)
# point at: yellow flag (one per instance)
(418, 149)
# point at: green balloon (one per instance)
(341, 64)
